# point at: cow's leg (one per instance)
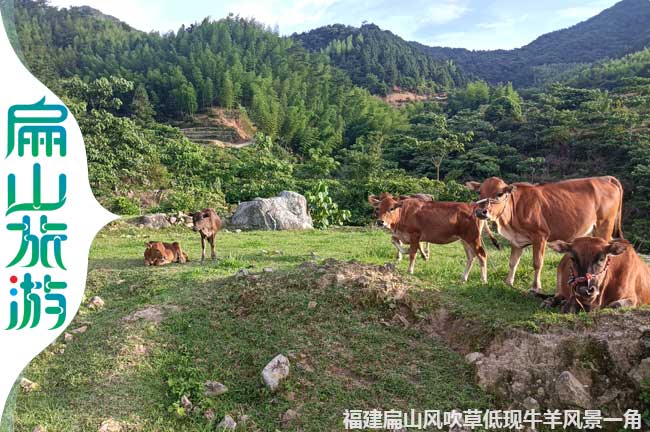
(482, 260)
(398, 246)
(202, 248)
(425, 256)
(413, 252)
(213, 255)
(426, 253)
(515, 256)
(539, 247)
(626, 302)
(470, 260)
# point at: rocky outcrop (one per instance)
(287, 211)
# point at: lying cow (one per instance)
(159, 253)
(207, 223)
(596, 273)
(527, 214)
(413, 221)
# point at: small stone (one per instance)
(242, 273)
(67, 337)
(531, 404)
(173, 220)
(28, 386)
(312, 305)
(278, 252)
(474, 357)
(237, 230)
(571, 391)
(243, 419)
(186, 403)
(96, 303)
(264, 251)
(288, 416)
(209, 414)
(228, 423)
(110, 425)
(268, 270)
(79, 330)
(214, 388)
(275, 371)
(39, 428)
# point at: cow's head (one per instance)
(384, 206)
(589, 263)
(153, 254)
(494, 194)
(202, 221)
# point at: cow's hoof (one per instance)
(534, 292)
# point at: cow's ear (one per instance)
(510, 188)
(616, 247)
(373, 200)
(403, 197)
(560, 246)
(474, 186)
(147, 244)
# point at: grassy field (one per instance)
(218, 327)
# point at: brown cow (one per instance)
(390, 201)
(207, 223)
(596, 273)
(413, 221)
(374, 201)
(159, 253)
(527, 214)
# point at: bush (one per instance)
(124, 206)
(192, 199)
(324, 211)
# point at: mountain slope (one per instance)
(379, 60)
(619, 30)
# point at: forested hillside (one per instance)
(379, 60)
(316, 127)
(619, 30)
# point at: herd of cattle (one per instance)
(580, 218)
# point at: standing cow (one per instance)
(595, 273)
(413, 221)
(527, 214)
(207, 223)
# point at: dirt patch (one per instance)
(601, 365)
(153, 314)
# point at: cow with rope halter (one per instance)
(535, 214)
(595, 273)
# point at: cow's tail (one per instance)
(492, 238)
(618, 228)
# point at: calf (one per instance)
(374, 201)
(412, 221)
(207, 223)
(389, 202)
(595, 273)
(159, 253)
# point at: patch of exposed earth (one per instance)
(603, 364)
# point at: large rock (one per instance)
(157, 220)
(287, 211)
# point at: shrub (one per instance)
(124, 206)
(192, 199)
(324, 211)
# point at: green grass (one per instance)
(226, 329)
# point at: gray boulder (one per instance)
(287, 211)
(157, 220)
